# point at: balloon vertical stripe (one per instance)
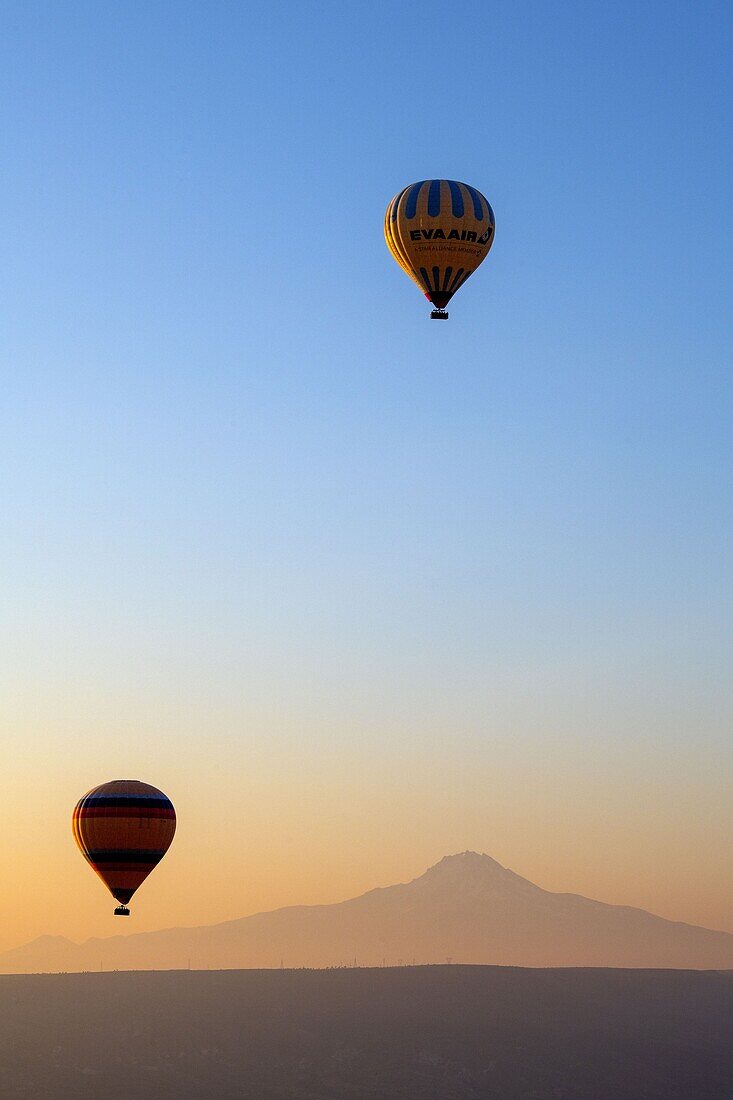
(478, 201)
(434, 198)
(456, 281)
(456, 196)
(411, 202)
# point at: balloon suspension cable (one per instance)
(439, 315)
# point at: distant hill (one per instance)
(413, 1033)
(467, 908)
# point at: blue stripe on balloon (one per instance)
(396, 203)
(434, 199)
(411, 204)
(456, 198)
(452, 288)
(478, 209)
(143, 801)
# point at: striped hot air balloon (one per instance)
(439, 231)
(124, 828)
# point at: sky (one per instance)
(357, 590)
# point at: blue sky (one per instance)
(243, 472)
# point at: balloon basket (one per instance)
(122, 911)
(439, 315)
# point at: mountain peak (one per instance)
(470, 874)
(469, 857)
(465, 864)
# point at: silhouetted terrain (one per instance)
(467, 907)
(433, 1033)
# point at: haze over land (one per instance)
(467, 908)
(419, 1033)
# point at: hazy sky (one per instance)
(355, 589)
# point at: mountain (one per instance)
(466, 909)
(413, 1033)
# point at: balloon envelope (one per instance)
(124, 828)
(439, 231)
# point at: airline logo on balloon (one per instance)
(453, 235)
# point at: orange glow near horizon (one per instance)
(298, 816)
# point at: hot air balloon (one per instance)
(124, 828)
(439, 231)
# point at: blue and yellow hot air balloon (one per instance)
(439, 231)
(124, 828)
